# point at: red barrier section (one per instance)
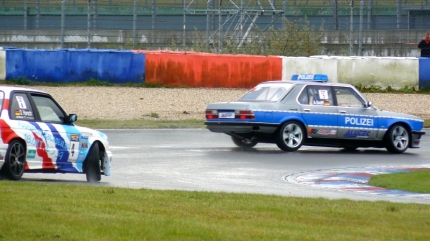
(193, 69)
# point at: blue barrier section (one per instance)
(424, 73)
(75, 65)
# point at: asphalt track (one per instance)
(196, 159)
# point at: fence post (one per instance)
(154, 14)
(134, 21)
(25, 14)
(184, 23)
(360, 32)
(351, 27)
(89, 24)
(63, 20)
(37, 13)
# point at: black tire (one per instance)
(14, 165)
(397, 139)
(349, 148)
(244, 143)
(92, 164)
(290, 136)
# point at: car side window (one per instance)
(48, 110)
(347, 97)
(319, 95)
(20, 107)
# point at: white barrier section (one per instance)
(379, 71)
(396, 72)
(2, 64)
(309, 65)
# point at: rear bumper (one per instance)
(416, 138)
(235, 127)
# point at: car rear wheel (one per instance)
(244, 143)
(92, 164)
(290, 136)
(397, 139)
(14, 165)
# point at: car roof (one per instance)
(305, 83)
(10, 88)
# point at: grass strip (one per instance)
(40, 211)
(416, 181)
(151, 124)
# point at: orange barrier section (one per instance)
(193, 69)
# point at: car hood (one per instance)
(88, 132)
(397, 115)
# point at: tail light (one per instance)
(211, 114)
(245, 114)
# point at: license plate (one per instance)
(229, 115)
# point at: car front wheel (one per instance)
(14, 165)
(290, 136)
(244, 143)
(92, 164)
(397, 139)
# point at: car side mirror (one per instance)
(368, 104)
(71, 118)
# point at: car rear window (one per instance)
(267, 92)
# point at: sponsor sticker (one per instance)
(74, 137)
(324, 132)
(31, 153)
(84, 144)
(357, 133)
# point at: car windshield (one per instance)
(267, 92)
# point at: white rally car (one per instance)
(38, 136)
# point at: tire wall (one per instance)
(73, 65)
(192, 69)
(424, 73)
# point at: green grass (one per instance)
(152, 124)
(418, 181)
(37, 211)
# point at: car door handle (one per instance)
(307, 110)
(342, 111)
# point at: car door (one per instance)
(356, 120)
(61, 139)
(319, 111)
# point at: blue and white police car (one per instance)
(310, 111)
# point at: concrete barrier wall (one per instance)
(366, 71)
(394, 72)
(73, 65)
(2, 64)
(312, 65)
(193, 69)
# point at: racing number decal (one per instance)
(323, 94)
(21, 102)
(74, 147)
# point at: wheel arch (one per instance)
(405, 125)
(298, 120)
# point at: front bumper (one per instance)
(416, 138)
(241, 127)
